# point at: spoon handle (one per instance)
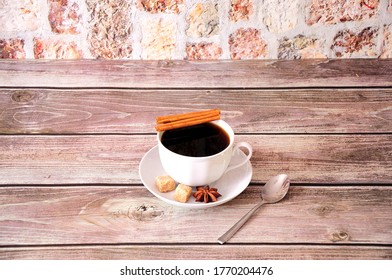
(225, 237)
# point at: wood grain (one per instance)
(73, 111)
(72, 134)
(114, 159)
(131, 215)
(199, 252)
(196, 74)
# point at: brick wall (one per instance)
(195, 29)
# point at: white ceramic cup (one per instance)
(198, 171)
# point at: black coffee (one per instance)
(196, 141)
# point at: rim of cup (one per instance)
(226, 127)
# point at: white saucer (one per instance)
(229, 185)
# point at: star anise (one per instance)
(206, 194)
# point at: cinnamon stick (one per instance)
(183, 120)
(179, 117)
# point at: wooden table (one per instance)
(73, 134)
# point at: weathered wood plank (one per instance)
(131, 215)
(199, 252)
(200, 74)
(114, 159)
(248, 111)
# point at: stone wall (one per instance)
(195, 29)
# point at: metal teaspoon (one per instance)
(273, 191)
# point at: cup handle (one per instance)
(236, 147)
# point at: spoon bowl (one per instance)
(273, 191)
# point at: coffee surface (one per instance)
(196, 141)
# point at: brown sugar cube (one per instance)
(182, 193)
(165, 183)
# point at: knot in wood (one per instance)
(322, 210)
(146, 212)
(339, 236)
(23, 96)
